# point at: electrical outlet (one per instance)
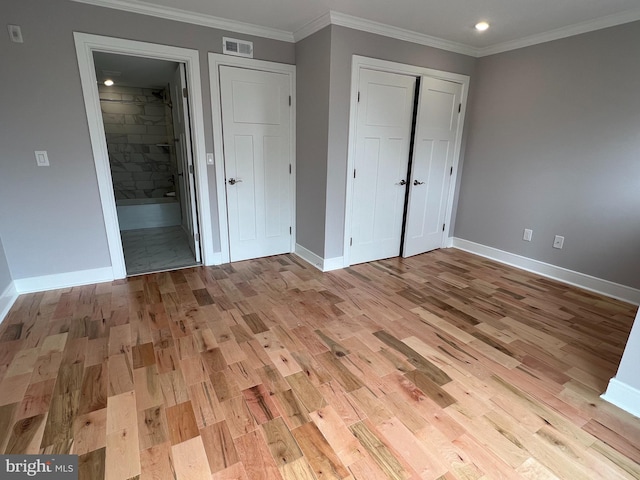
(558, 241)
(527, 234)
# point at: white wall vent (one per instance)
(240, 48)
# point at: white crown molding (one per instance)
(357, 23)
(169, 13)
(564, 32)
(312, 27)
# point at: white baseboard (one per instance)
(63, 280)
(322, 264)
(623, 396)
(7, 299)
(587, 282)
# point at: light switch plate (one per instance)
(209, 158)
(42, 159)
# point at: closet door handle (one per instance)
(401, 182)
(233, 181)
(416, 183)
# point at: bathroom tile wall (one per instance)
(139, 135)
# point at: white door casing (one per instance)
(182, 143)
(86, 44)
(383, 137)
(253, 104)
(359, 64)
(432, 165)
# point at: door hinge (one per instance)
(191, 169)
(459, 107)
(354, 173)
(443, 227)
(289, 230)
(351, 242)
(358, 97)
(289, 100)
(289, 169)
(185, 94)
(197, 237)
(451, 171)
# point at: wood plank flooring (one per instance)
(442, 366)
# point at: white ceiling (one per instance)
(514, 23)
(132, 71)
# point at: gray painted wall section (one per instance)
(5, 273)
(53, 218)
(553, 146)
(345, 43)
(313, 56)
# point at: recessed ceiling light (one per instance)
(108, 83)
(482, 26)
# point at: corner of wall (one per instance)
(7, 298)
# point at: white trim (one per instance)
(312, 27)
(564, 32)
(63, 280)
(322, 264)
(7, 299)
(624, 396)
(202, 19)
(310, 257)
(336, 18)
(587, 282)
(377, 28)
(86, 44)
(215, 61)
(359, 63)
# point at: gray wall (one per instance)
(5, 273)
(313, 56)
(553, 146)
(345, 43)
(52, 216)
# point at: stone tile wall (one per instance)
(136, 124)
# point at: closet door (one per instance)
(434, 149)
(383, 134)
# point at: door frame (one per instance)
(215, 61)
(86, 44)
(359, 63)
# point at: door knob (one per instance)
(233, 181)
(416, 182)
(401, 182)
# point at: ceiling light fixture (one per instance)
(482, 26)
(108, 82)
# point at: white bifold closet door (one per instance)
(432, 166)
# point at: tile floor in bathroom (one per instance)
(155, 249)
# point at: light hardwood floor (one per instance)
(441, 366)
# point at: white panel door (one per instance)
(186, 181)
(434, 145)
(256, 124)
(383, 134)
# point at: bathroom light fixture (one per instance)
(108, 82)
(482, 26)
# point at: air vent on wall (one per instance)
(240, 48)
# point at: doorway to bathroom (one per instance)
(146, 118)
